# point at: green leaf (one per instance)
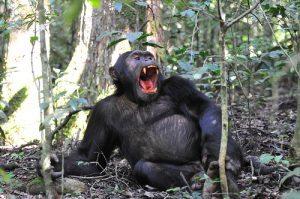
(133, 36)
(291, 195)
(59, 95)
(265, 158)
(196, 195)
(73, 103)
(144, 35)
(106, 34)
(95, 3)
(82, 101)
(114, 42)
(242, 57)
(180, 50)
(44, 105)
(72, 11)
(3, 104)
(118, 6)
(285, 163)
(175, 189)
(33, 39)
(278, 158)
(152, 44)
(296, 171)
(185, 65)
(141, 3)
(3, 116)
(212, 67)
(189, 12)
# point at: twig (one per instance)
(228, 24)
(186, 183)
(280, 46)
(66, 120)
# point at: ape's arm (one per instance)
(196, 105)
(95, 148)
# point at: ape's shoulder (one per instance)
(105, 105)
(181, 89)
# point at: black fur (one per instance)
(177, 129)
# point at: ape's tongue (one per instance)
(148, 86)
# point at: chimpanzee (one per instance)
(166, 129)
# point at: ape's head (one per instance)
(137, 75)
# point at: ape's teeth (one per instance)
(157, 71)
(145, 71)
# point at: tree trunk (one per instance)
(46, 135)
(69, 81)
(295, 143)
(4, 15)
(95, 78)
(153, 26)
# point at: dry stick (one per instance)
(280, 46)
(224, 108)
(68, 117)
(186, 183)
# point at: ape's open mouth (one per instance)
(148, 79)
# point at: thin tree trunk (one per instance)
(295, 148)
(153, 25)
(46, 135)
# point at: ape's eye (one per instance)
(150, 58)
(136, 57)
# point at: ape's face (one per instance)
(139, 75)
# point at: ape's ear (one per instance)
(113, 73)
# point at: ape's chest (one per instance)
(168, 137)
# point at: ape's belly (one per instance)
(173, 139)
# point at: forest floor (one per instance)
(269, 133)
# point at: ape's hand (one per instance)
(56, 171)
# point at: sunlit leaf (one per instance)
(33, 39)
(141, 3)
(95, 3)
(291, 195)
(82, 101)
(44, 105)
(118, 6)
(265, 158)
(133, 36)
(59, 95)
(212, 67)
(73, 103)
(3, 104)
(106, 34)
(185, 65)
(188, 13)
(278, 158)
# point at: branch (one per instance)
(227, 25)
(68, 117)
(278, 43)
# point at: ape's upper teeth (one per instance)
(145, 71)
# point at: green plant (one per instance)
(266, 158)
